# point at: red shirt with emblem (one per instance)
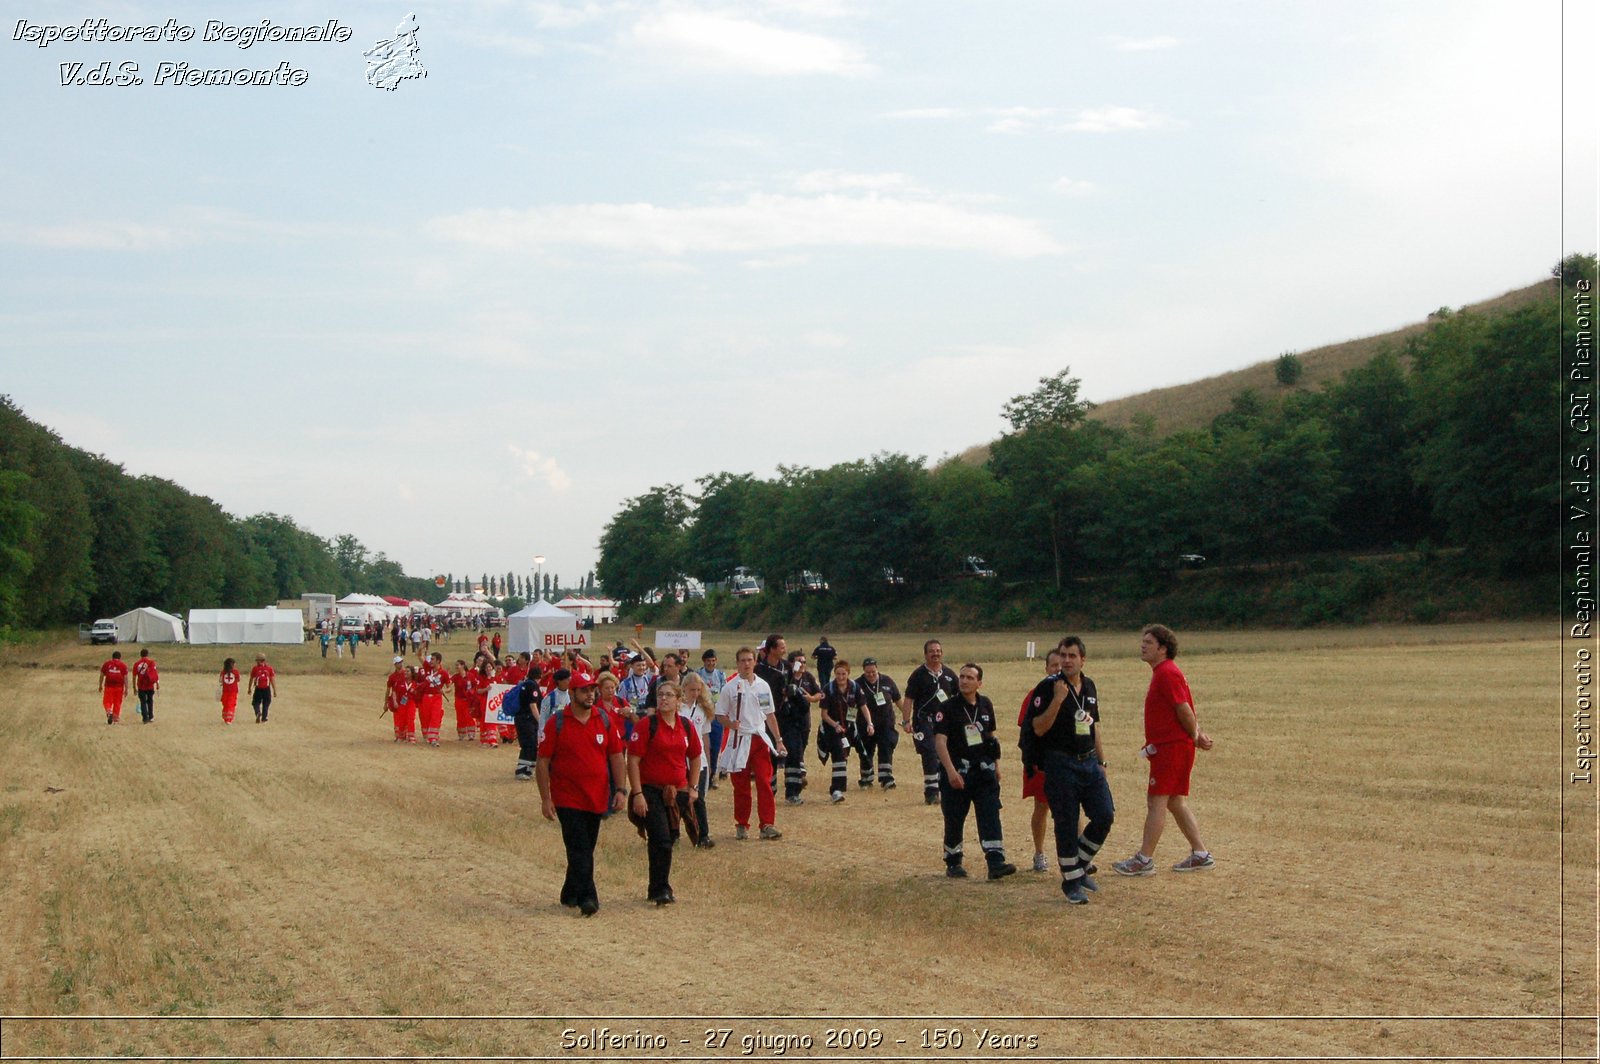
(664, 759)
(230, 681)
(261, 677)
(115, 671)
(399, 688)
(432, 681)
(1168, 689)
(580, 759)
(145, 674)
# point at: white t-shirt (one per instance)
(745, 705)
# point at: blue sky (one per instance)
(603, 246)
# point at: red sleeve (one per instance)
(695, 749)
(547, 744)
(1027, 702)
(640, 743)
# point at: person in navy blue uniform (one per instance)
(969, 774)
(876, 735)
(928, 690)
(1064, 714)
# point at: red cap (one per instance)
(582, 678)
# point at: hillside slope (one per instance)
(1195, 404)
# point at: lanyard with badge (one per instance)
(1082, 723)
(974, 731)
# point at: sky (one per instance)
(603, 246)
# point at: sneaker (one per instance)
(955, 871)
(930, 799)
(713, 784)
(794, 799)
(524, 773)
(1087, 883)
(110, 719)
(741, 832)
(1001, 870)
(1092, 869)
(836, 797)
(588, 906)
(770, 831)
(1074, 893)
(666, 897)
(1041, 863)
(1137, 865)
(706, 844)
(888, 786)
(864, 784)
(1195, 862)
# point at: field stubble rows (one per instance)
(1385, 813)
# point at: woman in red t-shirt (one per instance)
(228, 690)
(481, 678)
(663, 756)
(461, 682)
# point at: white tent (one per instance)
(246, 626)
(602, 611)
(148, 625)
(542, 626)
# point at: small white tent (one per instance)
(148, 625)
(542, 626)
(246, 626)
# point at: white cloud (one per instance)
(762, 222)
(1142, 44)
(716, 40)
(1068, 186)
(541, 467)
(929, 112)
(839, 180)
(1117, 120)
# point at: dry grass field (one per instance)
(1385, 806)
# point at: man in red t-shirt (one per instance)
(263, 688)
(146, 682)
(113, 685)
(1171, 734)
(581, 776)
(431, 679)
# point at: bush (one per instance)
(1288, 369)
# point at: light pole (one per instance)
(538, 584)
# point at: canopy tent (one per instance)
(246, 626)
(542, 626)
(148, 625)
(602, 611)
(463, 606)
(396, 600)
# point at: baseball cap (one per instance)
(868, 661)
(582, 678)
(398, 660)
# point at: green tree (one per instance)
(1288, 369)
(1371, 413)
(1043, 469)
(641, 548)
(711, 545)
(18, 520)
(1054, 402)
(59, 583)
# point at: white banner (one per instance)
(556, 642)
(678, 640)
(494, 706)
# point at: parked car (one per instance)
(976, 566)
(103, 631)
(1191, 561)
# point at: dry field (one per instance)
(1385, 805)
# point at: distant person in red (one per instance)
(581, 777)
(460, 680)
(397, 699)
(113, 685)
(431, 679)
(1171, 734)
(263, 688)
(494, 645)
(663, 756)
(482, 678)
(146, 681)
(228, 690)
(483, 642)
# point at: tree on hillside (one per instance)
(1054, 402)
(1042, 469)
(1288, 369)
(641, 548)
(59, 583)
(18, 519)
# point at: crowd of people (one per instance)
(650, 738)
(630, 733)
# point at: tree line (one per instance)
(1449, 440)
(81, 538)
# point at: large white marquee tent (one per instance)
(246, 626)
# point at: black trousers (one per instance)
(981, 793)
(795, 728)
(147, 705)
(527, 726)
(659, 837)
(261, 701)
(580, 831)
(879, 746)
(931, 770)
(1071, 784)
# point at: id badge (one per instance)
(940, 696)
(974, 736)
(877, 696)
(1084, 723)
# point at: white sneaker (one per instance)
(1041, 863)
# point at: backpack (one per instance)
(1029, 744)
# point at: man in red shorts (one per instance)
(113, 685)
(1171, 734)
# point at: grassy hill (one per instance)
(1193, 405)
